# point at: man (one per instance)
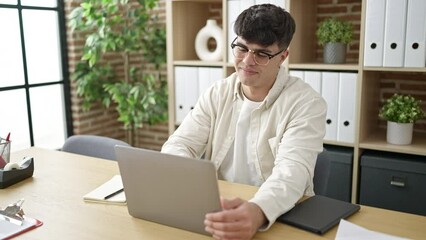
(259, 126)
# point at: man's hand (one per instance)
(239, 219)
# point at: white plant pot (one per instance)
(210, 30)
(399, 133)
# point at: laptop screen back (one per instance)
(168, 189)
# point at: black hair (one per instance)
(265, 25)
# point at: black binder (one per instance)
(318, 214)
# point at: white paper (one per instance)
(350, 231)
(99, 194)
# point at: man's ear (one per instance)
(283, 56)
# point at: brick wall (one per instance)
(101, 121)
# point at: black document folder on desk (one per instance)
(318, 214)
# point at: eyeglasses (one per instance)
(260, 57)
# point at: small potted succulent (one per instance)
(401, 111)
(334, 35)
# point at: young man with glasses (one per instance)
(259, 126)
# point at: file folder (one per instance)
(186, 91)
(395, 25)
(346, 112)
(313, 78)
(297, 73)
(191, 88)
(232, 14)
(330, 93)
(374, 33)
(179, 94)
(207, 76)
(415, 51)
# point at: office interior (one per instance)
(41, 108)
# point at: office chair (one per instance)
(91, 145)
(321, 173)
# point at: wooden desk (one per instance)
(55, 195)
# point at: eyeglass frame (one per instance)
(270, 56)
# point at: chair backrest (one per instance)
(322, 172)
(91, 145)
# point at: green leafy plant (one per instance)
(402, 108)
(122, 38)
(333, 30)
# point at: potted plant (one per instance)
(122, 39)
(334, 35)
(401, 111)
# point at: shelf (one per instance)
(377, 141)
(197, 63)
(321, 66)
(336, 143)
(388, 69)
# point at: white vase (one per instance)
(210, 30)
(399, 133)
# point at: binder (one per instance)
(186, 91)
(297, 73)
(280, 3)
(244, 4)
(415, 51)
(179, 94)
(261, 1)
(191, 88)
(374, 33)
(330, 93)
(346, 109)
(395, 25)
(206, 77)
(232, 14)
(313, 78)
(216, 74)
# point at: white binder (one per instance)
(216, 74)
(280, 3)
(261, 1)
(207, 76)
(374, 33)
(415, 51)
(203, 79)
(179, 94)
(395, 22)
(313, 78)
(347, 105)
(297, 73)
(186, 91)
(330, 93)
(191, 88)
(232, 14)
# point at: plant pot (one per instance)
(399, 133)
(334, 53)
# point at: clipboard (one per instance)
(9, 230)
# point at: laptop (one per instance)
(168, 189)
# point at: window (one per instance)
(34, 86)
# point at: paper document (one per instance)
(100, 194)
(349, 231)
(9, 230)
